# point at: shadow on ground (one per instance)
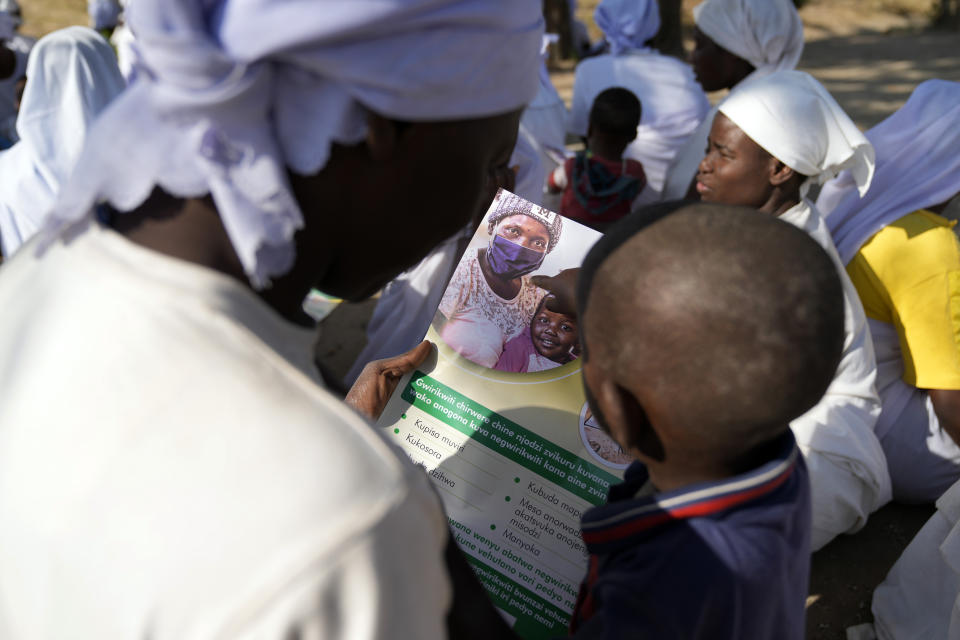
(845, 572)
(872, 74)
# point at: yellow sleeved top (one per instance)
(908, 275)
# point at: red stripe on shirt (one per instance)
(706, 507)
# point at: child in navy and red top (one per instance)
(599, 185)
(701, 341)
(695, 359)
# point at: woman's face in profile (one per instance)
(524, 231)
(734, 169)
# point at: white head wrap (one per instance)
(72, 76)
(8, 26)
(10, 9)
(104, 14)
(918, 165)
(766, 33)
(231, 93)
(798, 122)
(628, 24)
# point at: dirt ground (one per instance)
(870, 54)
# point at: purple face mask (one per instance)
(509, 260)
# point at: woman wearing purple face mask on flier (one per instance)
(490, 298)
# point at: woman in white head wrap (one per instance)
(735, 41)
(193, 466)
(770, 141)
(673, 103)
(72, 77)
(104, 14)
(903, 257)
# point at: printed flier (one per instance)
(500, 421)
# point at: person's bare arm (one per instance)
(946, 404)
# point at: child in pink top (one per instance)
(552, 339)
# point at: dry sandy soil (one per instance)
(870, 54)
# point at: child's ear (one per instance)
(641, 436)
(622, 415)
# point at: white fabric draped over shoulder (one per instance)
(73, 76)
(230, 95)
(918, 166)
(672, 102)
(628, 24)
(796, 120)
(849, 477)
(766, 33)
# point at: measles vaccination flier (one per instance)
(499, 419)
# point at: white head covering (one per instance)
(918, 165)
(628, 24)
(72, 76)
(231, 93)
(104, 14)
(10, 9)
(797, 121)
(8, 25)
(766, 33)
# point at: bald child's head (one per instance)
(706, 330)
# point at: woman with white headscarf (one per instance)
(104, 14)
(903, 259)
(735, 41)
(673, 103)
(193, 477)
(771, 140)
(72, 76)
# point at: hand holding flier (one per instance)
(376, 383)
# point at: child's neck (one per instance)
(677, 472)
(669, 478)
(609, 153)
(610, 150)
